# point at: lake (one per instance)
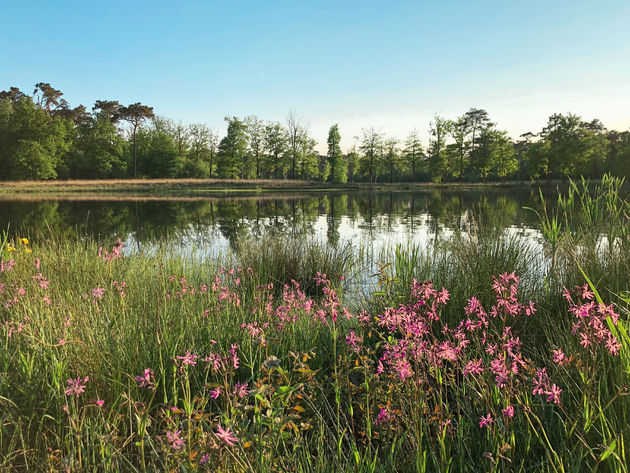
(369, 220)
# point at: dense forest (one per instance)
(43, 137)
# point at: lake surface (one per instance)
(370, 220)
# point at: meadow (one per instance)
(476, 353)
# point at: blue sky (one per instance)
(392, 64)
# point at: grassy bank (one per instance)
(255, 362)
(209, 187)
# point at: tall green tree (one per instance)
(391, 157)
(33, 143)
(232, 149)
(495, 153)
(413, 152)
(352, 158)
(198, 156)
(256, 131)
(308, 167)
(338, 165)
(276, 145)
(371, 148)
(459, 149)
(439, 129)
(296, 129)
(135, 114)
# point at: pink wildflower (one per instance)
(384, 417)
(559, 358)
(508, 411)
(174, 439)
(240, 390)
(188, 358)
(146, 379)
(226, 435)
(473, 367)
(485, 421)
(76, 386)
(554, 394)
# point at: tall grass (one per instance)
(253, 362)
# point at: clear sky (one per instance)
(391, 64)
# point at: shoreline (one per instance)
(215, 188)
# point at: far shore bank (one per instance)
(203, 188)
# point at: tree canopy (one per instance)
(43, 137)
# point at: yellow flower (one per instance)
(28, 250)
(11, 248)
(24, 241)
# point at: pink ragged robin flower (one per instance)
(553, 394)
(146, 380)
(76, 386)
(188, 358)
(174, 439)
(485, 421)
(559, 358)
(215, 393)
(508, 412)
(240, 390)
(226, 435)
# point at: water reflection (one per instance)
(368, 218)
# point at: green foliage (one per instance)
(32, 143)
(42, 137)
(232, 149)
(371, 153)
(338, 163)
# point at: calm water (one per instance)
(371, 220)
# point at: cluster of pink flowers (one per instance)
(592, 320)
(542, 386)
(115, 253)
(76, 387)
(7, 266)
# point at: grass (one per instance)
(209, 187)
(380, 384)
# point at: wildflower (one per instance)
(37, 263)
(215, 393)
(353, 340)
(553, 394)
(508, 411)
(403, 368)
(226, 435)
(485, 421)
(98, 292)
(146, 379)
(559, 358)
(240, 390)
(473, 367)
(233, 351)
(613, 345)
(384, 417)
(174, 439)
(205, 458)
(76, 386)
(98, 402)
(188, 358)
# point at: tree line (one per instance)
(43, 137)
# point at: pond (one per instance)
(369, 220)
